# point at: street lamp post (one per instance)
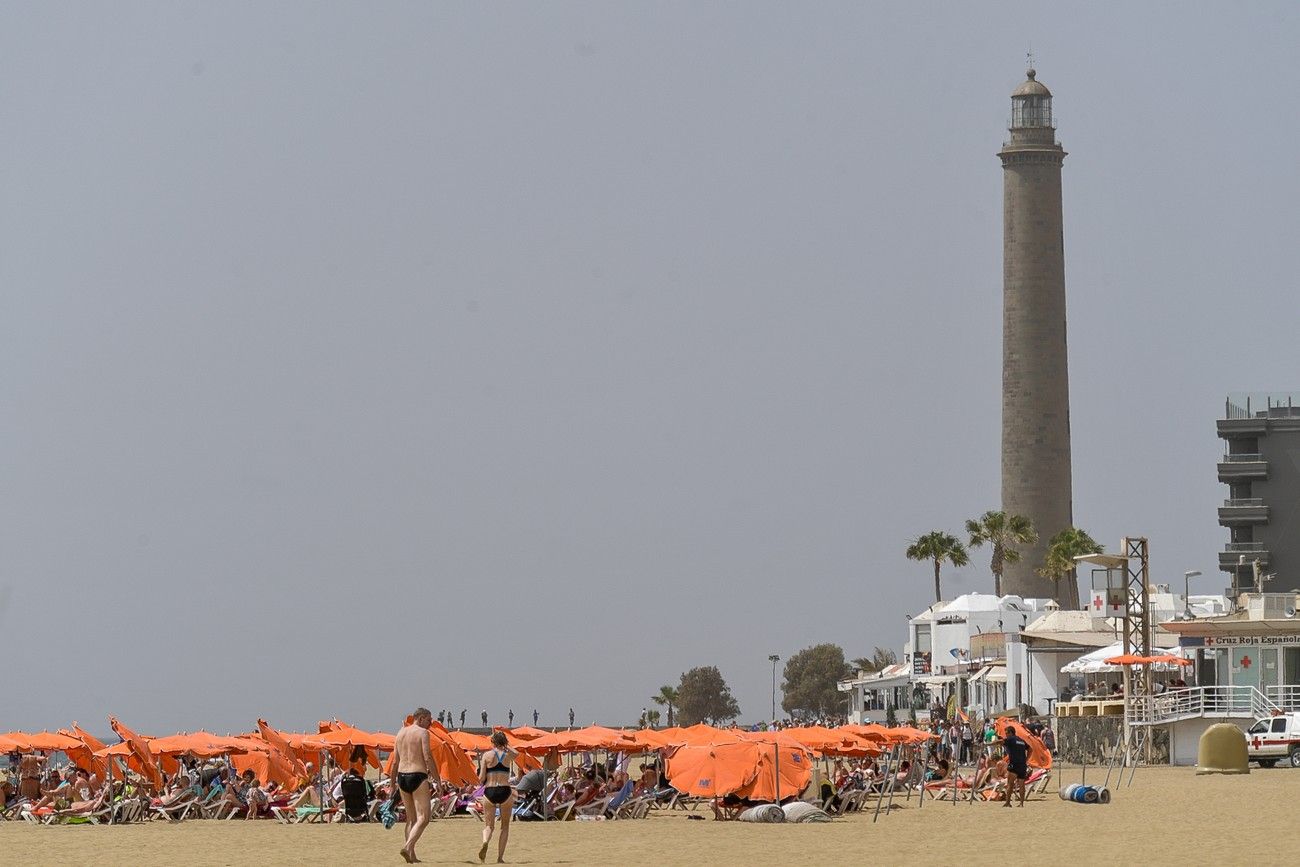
(1187, 594)
(774, 659)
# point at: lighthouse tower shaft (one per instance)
(1035, 379)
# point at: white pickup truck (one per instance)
(1274, 739)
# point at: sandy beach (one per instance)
(1168, 816)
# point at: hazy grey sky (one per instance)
(644, 335)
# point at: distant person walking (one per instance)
(494, 773)
(534, 717)
(570, 717)
(462, 717)
(483, 716)
(510, 718)
(416, 774)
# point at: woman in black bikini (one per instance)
(494, 774)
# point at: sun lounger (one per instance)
(177, 810)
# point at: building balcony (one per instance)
(1233, 553)
(1242, 467)
(1251, 510)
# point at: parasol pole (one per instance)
(776, 751)
(889, 781)
(108, 772)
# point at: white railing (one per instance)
(1202, 701)
(1286, 696)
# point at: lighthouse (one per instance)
(1035, 378)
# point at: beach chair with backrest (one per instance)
(356, 798)
(177, 810)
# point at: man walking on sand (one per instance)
(1017, 751)
(416, 774)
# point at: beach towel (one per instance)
(388, 813)
(802, 811)
(763, 813)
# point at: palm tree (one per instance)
(1060, 563)
(938, 546)
(1002, 532)
(668, 698)
(879, 660)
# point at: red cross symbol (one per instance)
(1245, 662)
(1256, 743)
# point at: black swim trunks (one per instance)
(497, 794)
(1021, 771)
(410, 782)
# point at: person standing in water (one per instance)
(494, 773)
(416, 773)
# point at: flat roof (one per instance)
(1211, 626)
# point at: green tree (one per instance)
(703, 696)
(938, 546)
(811, 680)
(1001, 532)
(652, 717)
(879, 660)
(1060, 563)
(891, 716)
(667, 698)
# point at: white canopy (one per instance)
(1095, 662)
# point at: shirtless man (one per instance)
(416, 774)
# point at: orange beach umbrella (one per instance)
(713, 770)
(141, 759)
(454, 764)
(793, 767)
(46, 742)
(281, 744)
(1137, 659)
(84, 756)
(1039, 755)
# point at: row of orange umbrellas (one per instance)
(282, 756)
